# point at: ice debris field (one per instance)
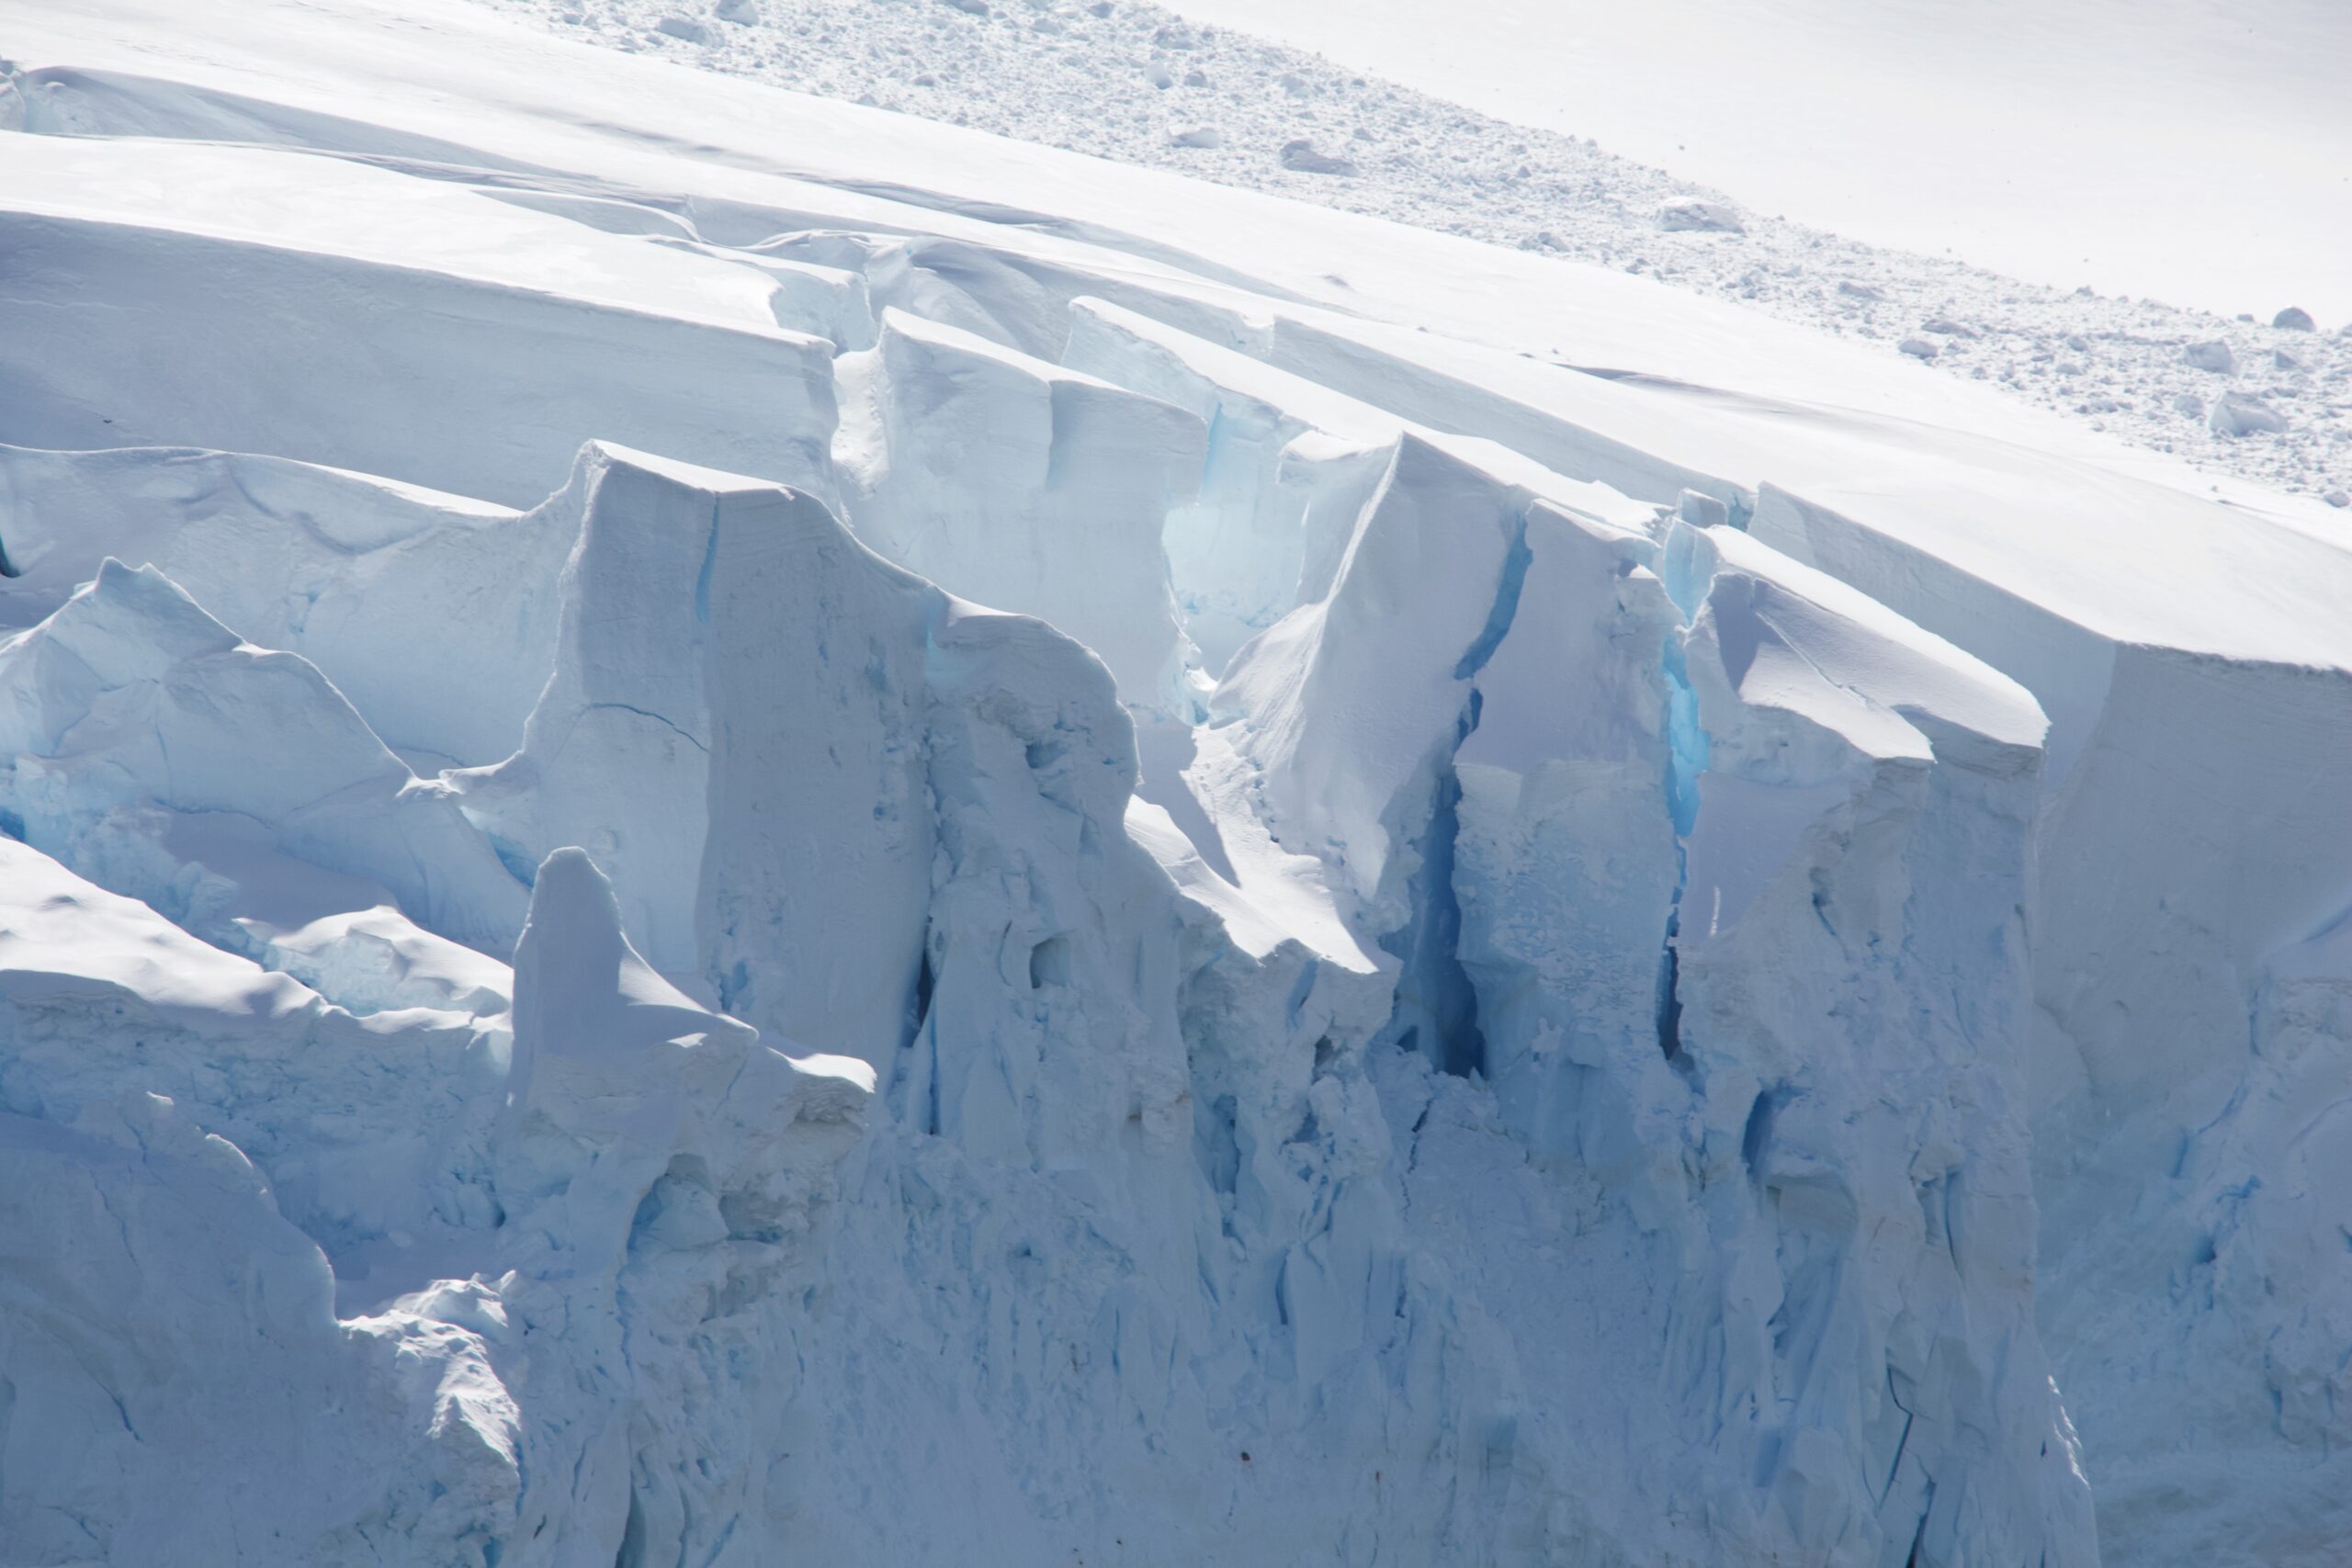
(2263, 391)
(741, 830)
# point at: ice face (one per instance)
(339, 568)
(131, 707)
(1113, 909)
(201, 1311)
(1288, 464)
(1600, 853)
(2172, 1162)
(1025, 487)
(228, 367)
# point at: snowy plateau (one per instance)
(737, 831)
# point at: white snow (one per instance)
(1871, 140)
(734, 828)
(2204, 145)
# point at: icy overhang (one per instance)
(1796, 638)
(1186, 356)
(2127, 560)
(1335, 415)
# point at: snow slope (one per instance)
(2022, 137)
(2194, 153)
(738, 829)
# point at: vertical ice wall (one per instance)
(1025, 487)
(233, 334)
(1287, 466)
(1629, 871)
(803, 767)
(1888, 783)
(1662, 1198)
(2099, 595)
(1145, 1183)
(2191, 869)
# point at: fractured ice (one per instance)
(1164, 922)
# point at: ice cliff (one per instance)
(715, 858)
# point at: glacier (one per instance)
(735, 832)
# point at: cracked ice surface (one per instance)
(736, 831)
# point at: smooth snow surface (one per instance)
(738, 830)
(2191, 151)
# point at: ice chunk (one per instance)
(808, 769)
(1030, 488)
(1847, 662)
(1701, 217)
(339, 568)
(616, 755)
(2243, 413)
(2215, 356)
(1701, 511)
(616, 1073)
(130, 697)
(1299, 156)
(1345, 745)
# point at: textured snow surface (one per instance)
(736, 830)
(2200, 145)
(2203, 154)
